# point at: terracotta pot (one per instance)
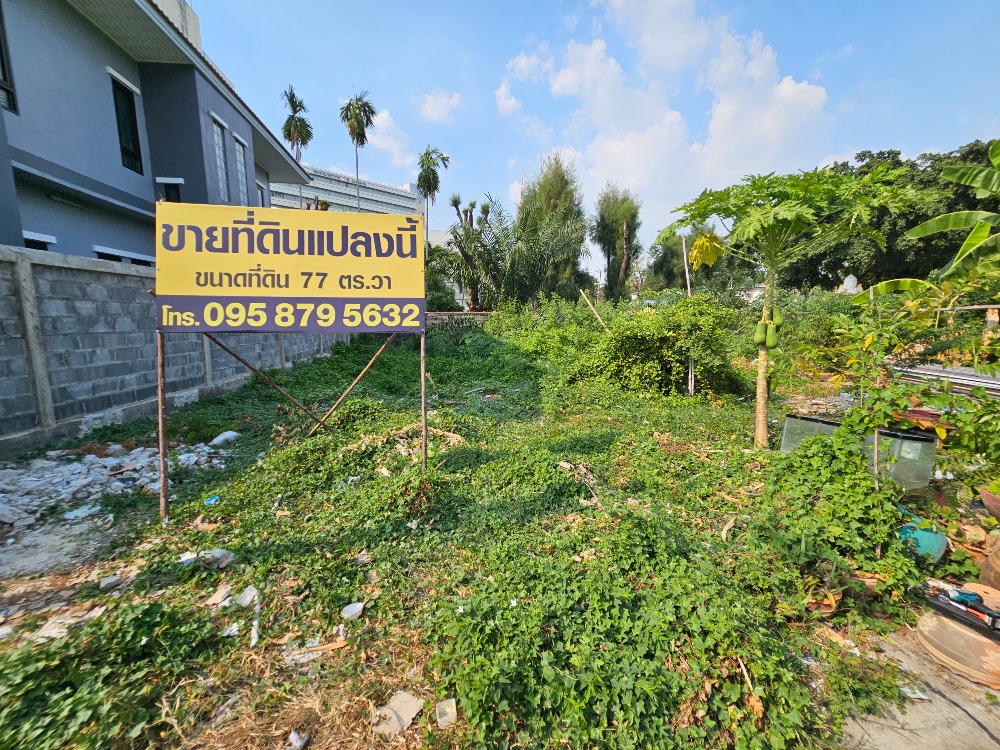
(991, 501)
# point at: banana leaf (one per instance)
(892, 285)
(956, 220)
(986, 178)
(967, 259)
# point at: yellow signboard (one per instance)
(234, 268)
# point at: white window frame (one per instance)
(123, 80)
(267, 193)
(218, 120)
(39, 237)
(122, 253)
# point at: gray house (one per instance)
(108, 106)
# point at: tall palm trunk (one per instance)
(357, 176)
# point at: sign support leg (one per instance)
(423, 395)
(322, 422)
(161, 399)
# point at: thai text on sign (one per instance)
(234, 268)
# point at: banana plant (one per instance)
(977, 260)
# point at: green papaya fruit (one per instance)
(760, 333)
(771, 337)
(777, 318)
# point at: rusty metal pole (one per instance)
(322, 421)
(423, 394)
(161, 399)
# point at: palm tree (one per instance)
(358, 114)
(297, 130)
(429, 181)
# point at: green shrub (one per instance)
(827, 510)
(650, 350)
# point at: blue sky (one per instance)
(665, 97)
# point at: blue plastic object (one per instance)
(927, 542)
(212, 500)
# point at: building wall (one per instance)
(77, 230)
(66, 111)
(339, 190)
(170, 96)
(10, 218)
(211, 101)
(78, 348)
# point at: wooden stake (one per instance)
(423, 394)
(161, 404)
(322, 421)
(587, 300)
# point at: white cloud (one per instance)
(514, 193)
(668, 34)
(507, 103)
(625, 129)
(571, 21)
(388, 136)
(534, 127)
(531, 66)
(511, 162)
(438, 106)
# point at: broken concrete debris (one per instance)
(232, 631)
(110, 582)
(213, 559)
(83, 512)
(220, 596)
(397, 714)
(247, 597)
(67, 478)
(446, 712)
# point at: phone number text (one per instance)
(180, 313)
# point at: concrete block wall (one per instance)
(78, 348)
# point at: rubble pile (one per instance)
(67, 479)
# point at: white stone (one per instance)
(116, 451)
(248, 597)
(110, 582)
(225, 437)
(352, 611)
(447, 713)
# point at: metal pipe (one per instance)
(322, 421)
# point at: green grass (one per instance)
(567, 579)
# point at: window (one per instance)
(128, 127)
(261, 195)
(122, 256)
(220, 160)
(241, 171)
(37, 241)
(169, 189)
(7, 100)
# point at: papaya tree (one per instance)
(772, 220)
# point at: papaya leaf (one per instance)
(956, 220)
(706, 250)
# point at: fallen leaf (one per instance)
(282, 513)
(729, 525)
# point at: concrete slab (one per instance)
(958, 713)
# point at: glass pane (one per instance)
(221, 162)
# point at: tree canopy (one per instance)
(297, 130)
(614, 230)
(555, 193)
